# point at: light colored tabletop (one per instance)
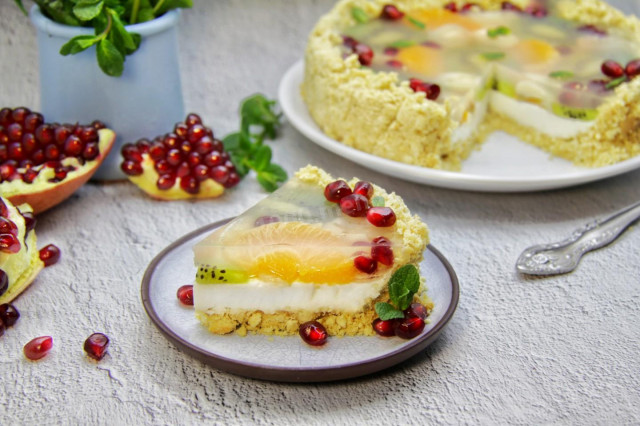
(560, 350)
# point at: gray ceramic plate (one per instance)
(286, 359)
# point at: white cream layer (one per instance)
(271, 297)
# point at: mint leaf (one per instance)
(86, 10)
(359, 15)
(492, 56)
(377, 201)
(110, 59)
(261, 158)
(495, 32)
(417, 23)
(21, 6)
(123, 40)
(277, 171)
(615, 83)
(402, 43)
(561, 75)
(386, 312)
(256, 110)
(167, 5)
(404, 283)
(78, 44)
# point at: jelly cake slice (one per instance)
(296, 257)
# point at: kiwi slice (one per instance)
(208, 274)
(584, 114)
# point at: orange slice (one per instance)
(422, 59)
(434, 18)
(532, 51)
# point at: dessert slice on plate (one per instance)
(318, 249)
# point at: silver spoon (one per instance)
(564, 256)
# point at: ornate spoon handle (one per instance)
(563, 256)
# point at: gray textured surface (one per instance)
(553, 350)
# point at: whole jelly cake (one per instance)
(317, 249)
(426, 81)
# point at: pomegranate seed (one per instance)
(186, 147)
(61, 134)
(201, 172)
(174, 157)
(592, 29)
(313, 333)
(32, 121)
(131, 152)
(7, 170)
(38, 347)
(38, 157)
(365, 54)
(409, 327)
(29, 221)
(354, 205)
(391, 51)
(337, 190)
(181, 130)
(96, 346)
(350, 42)
(507, 5)
(391, 13)
(381, 216)
(15, 151)
(183, 170)
(612, 69)
(204, 145)
(365, 264)
(598, 86)
(162, 167)
(393, 63)
(8, 314)
(363, 188)
(185, 295)
(5, 117)
(381, 251)
(469, 7)
(171, 140)
(91, 151)
(196, 132)
(194, 159)
(29, 176)
(88, 134)
(431, 91)
(51, 152)
(20, 114)
(15, 132)
(192, 119)
(8, 227)
(3, 151)
(4, 210)
(143, 145)
(4, 282)
(29, 143)
(73, 146)
(190, 184)
(97, 124)
(416, 310)
(633, 68)
(213, 159)
(265, 220)
(157, 151)
(234, 179)
(131, 168)
(9, 243)
(49, 255)
(451, 6)
(384, 328)
(220, 174)
(166, 181)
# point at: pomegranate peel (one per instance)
(42, 194)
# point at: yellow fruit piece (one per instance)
(434, 18)
(533, 51)
(422, 59)
(295, 251)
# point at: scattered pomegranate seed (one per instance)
(265, 220)
(633, 68)
(612, 69)
(431, 91)
(592, 29)
(451, 6)
(365, 264)
(50, 255)
(469, 7)
(536, 10)
(313, 333)
(354, 205)
(185, 295)
(391, 13)
(38, 347)
(507, 5)
(365, 54)
(337, 190)
(381, 216)
(350, 42)
(96, 346)
(409, 327)
(4, 282)
(9, 243)
(416, 310)
(598, 86)
(363, 188)
(394, 63)
(384, 328)
(391, 51)
(8, 314)
(381, 251)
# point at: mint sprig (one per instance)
(403, 285)
(246, 147)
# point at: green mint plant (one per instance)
(246, 147)
(403, 284)
(108, 17)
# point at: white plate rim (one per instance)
(289, 96)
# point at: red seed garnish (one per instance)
(364, 52)
(337, 190)
(393, 63)
(384, 328)
(409, 327)
(354, 205)
(470, 6)
(451, 6)
(612, 69)
(185, 295)
(592, 29)
(363, 188)
(381, 251)
(50, 255)
(9, 243)
(365, 264)
(431, 91)
(507, 5)
(8, 227)
(536, 10)
(381, 216)
(416, 310)
(633, 68)
(8, 314)
(313, 333)
(38, 347)
(391, 13)
(390, 51)
(96, 346)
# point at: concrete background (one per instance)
(559, 350)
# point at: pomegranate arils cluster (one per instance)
(188, 155)
(28, 145)
(364, 52)
(430, 90)
(408, 327)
